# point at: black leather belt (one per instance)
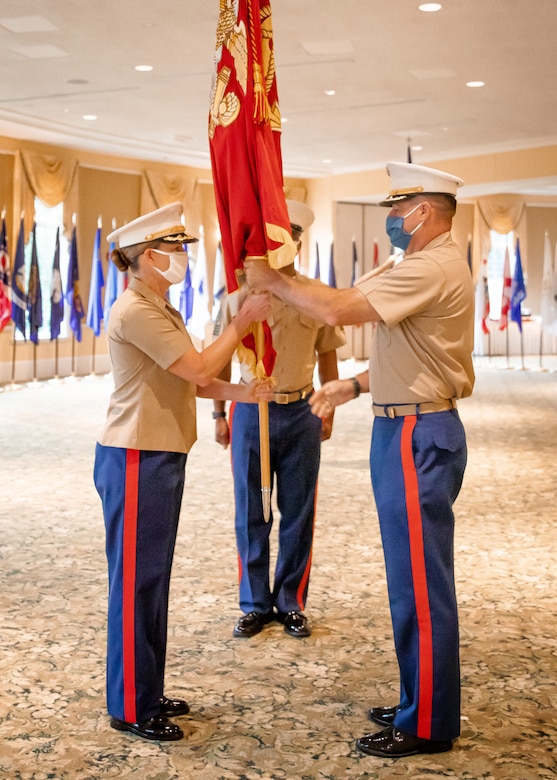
(403, 410)
(294, 395)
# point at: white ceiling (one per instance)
(398, 74)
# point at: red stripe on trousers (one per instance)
(129, 544)
(230, 427)
(419, 577)
(305, 576)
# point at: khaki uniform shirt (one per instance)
(422, 350)
(297, 340)
(150, 408)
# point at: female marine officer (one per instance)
(141, 457)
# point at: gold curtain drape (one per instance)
(502, 213)
(158, 189)
(53, 180)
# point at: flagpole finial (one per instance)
(22, 214)
(100, 221)
(74, 219)
(113, 223)
(4, 212)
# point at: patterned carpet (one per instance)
(273, 707)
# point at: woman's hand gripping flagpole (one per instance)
(256, 349)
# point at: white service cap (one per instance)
(164, 224)
(408, 180)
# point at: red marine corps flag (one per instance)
(244, 136)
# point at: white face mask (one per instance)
(178, 265)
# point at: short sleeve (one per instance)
(147, 328)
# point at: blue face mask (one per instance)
(396, 232)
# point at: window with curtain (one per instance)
(48, 220)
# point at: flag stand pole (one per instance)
(72, 376)
(35, 380)
(522, 366)
(55, 379)
(93, 354)
(508, 366)
(541, 349)
(13, 385)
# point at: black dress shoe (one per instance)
(392, 743)
(173, 707)
(295, 624)
(383, 716)
(252, 623)
(158, 727)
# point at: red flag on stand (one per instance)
(246, 159)
(375, 254)
(506, 298)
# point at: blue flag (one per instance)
(186, 297)
(354, 263)
(219, 283)
(115, 285)
(19, 296)
(56, 293)
(518, 290)
(95, 308)
(317, 270)
(73, 298)
(34, 293)
(332, 274)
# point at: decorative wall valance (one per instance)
(53, 180)
(162, 188)
(502, 213)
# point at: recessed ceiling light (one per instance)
(327, 161)
(475, 83)
(284, 119)
(89, 117)
(330, 92)
(417, 148)
(144, 68)
(429, 8)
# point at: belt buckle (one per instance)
(282, 398)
